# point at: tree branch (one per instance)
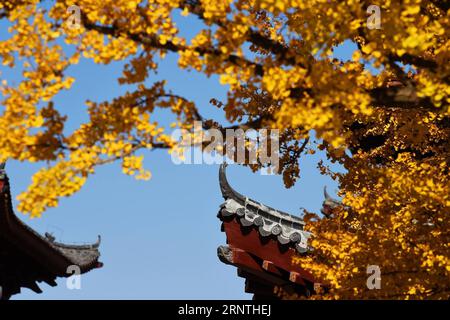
(385, 97)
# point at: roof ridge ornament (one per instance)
(327, 196)
(229, 193)
(85, 246)
(330, 204)
(50, 237)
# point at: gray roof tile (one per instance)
(287, 228)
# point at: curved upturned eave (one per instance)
(58, 262)
(229, 193)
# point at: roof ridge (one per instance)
(269, 222)
(229, 192)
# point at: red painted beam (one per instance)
(266, 249)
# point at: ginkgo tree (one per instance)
(383, 115)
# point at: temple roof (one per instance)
(287, 228)
(26, 257)
(262, 243)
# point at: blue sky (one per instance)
(159, 237)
